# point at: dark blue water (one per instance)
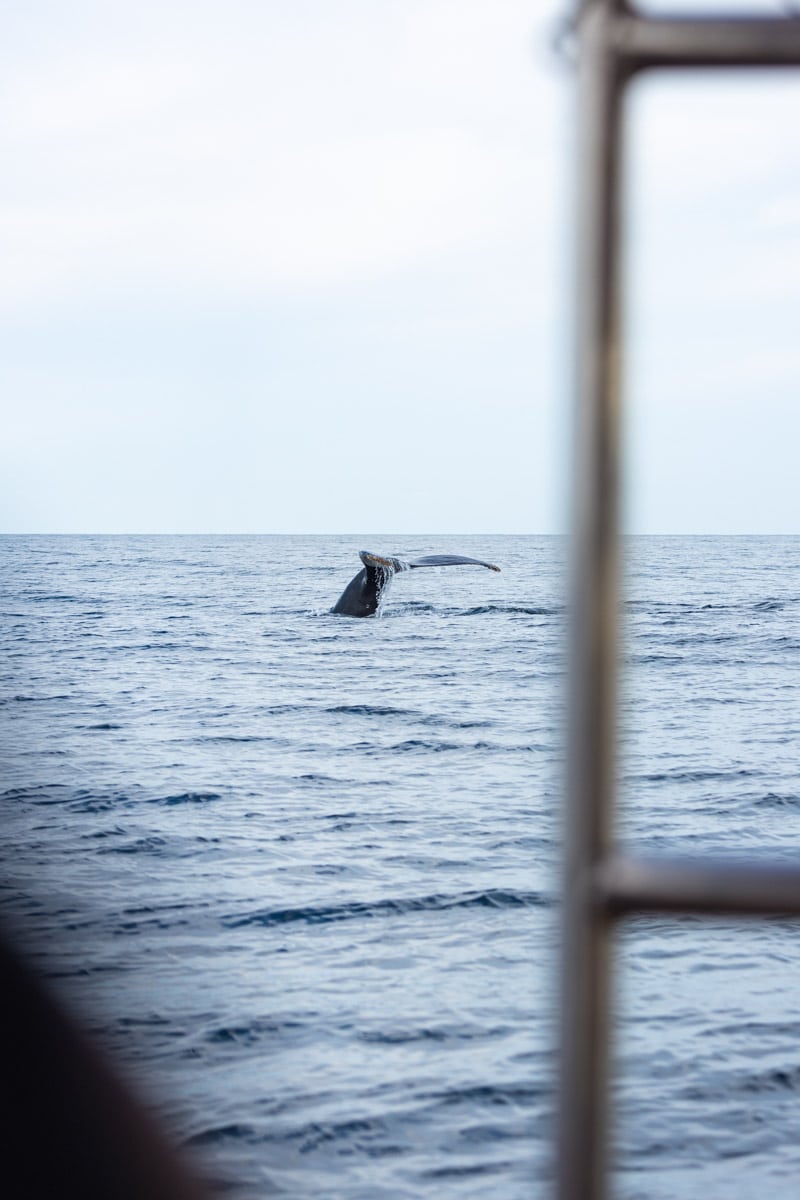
(299, 872)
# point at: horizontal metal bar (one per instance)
(645, 42)
(623, 885)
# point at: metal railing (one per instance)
(613, 44)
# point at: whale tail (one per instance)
(451, 560)
(382, 562)
(362, 596)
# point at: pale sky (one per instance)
(305, 266)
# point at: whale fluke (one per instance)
(450, 560)
(363, 594)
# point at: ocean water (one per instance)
(298, 873)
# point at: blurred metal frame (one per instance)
(614, 43)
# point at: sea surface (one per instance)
(298, 873)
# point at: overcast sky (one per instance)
(304, 266)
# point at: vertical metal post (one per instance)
(614, 42)
(584, 1037)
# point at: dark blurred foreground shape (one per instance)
(69, 1127)
(614, 43)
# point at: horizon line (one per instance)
(377, 533)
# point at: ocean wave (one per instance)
(450, 723)
(730, 1084)
(397, 606)
(698, 776)
(776, 1079)
(409, 746)
(58, 597)
(233, 1131)
(218, 739)
(95, 800)
(360, 909)
(426, 745)
(152, 844)
(186, 798)
(369, 710)
(785, 641)
(437, 1033)
(44, 794)
(651, 657)
(682, 609)
(389, 1132)
(34, 792)
(403, 608)
(252, 1032)
(775, 800)
(706, 639)
(439, 720)
(487, 1094)
(523, 610)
